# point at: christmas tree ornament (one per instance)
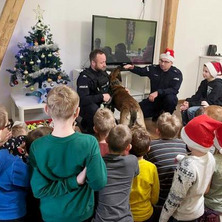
(32, 88)
(59, 77)
(31, 62)
(39, 12)
(43, 40)
(49, 80)
(50, 54)
(26, 72)
(21, 56)
(52, 84)
(43, 55)
(36, 43)
(15, 68)
(31, 44)
(38, 61)
(26, 82)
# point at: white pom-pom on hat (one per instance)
(168, 54)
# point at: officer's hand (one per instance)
(152, 96)
(128, 66)
(106, 97)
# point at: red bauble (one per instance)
(42, 39)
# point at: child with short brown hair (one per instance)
(113, 199)
(145, 188)
(58, 158)
(104, 121)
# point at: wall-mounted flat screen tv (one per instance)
(124, 40)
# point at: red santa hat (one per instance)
(168, 54)
(218, 139)
(214, 68)
(199, 133)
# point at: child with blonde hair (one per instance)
(113, 199)
(104, 121)
(14, 177)
(145, 188)
(213, 197)
(58, 158)
(16, 144)
(163, 152)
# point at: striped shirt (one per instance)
(162, 153)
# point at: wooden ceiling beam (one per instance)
(8, 20)
(169, 24)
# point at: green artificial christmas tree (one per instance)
(38, 61)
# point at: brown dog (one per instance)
(130, 111)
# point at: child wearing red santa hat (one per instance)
(185, 201)
(209, 92)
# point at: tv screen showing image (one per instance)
(124, 40)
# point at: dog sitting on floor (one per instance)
(130, 111)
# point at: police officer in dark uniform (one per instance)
(93, 88)
(165, 81)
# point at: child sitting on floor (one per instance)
(185, 201)
(113, 199)
(163, 152)
(58, 158)
(145, 188)
(14, 178)
(104, 121)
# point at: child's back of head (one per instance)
(35, 134)
(104, 121)
(19, 130)
(169, 126)
(214, 111)
(119, 138)
(140, 141)
(62, 102)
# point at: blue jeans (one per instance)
(189, 114)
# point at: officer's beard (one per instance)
(99, 69)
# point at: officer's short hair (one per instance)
(104, 121)
(119, 138)
(94, 53)
(62, 102)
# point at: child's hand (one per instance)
(81, 178)
(204, 103)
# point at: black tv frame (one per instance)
(115, 63)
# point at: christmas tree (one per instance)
(38, 61)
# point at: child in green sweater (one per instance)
(58, 158)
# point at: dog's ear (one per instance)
(119, 77)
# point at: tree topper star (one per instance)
(39, 13)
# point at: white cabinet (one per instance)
(202, 60)
(138, 86)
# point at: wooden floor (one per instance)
(151, 126)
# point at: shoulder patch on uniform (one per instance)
(84, 76)
(83, 87)
(177, 79)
